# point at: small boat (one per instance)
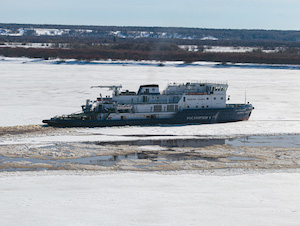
(186, 103)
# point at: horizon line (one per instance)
(147, 26)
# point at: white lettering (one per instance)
(204, 117)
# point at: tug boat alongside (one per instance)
(189, 103)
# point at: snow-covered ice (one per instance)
(33, 90)
(226, 198)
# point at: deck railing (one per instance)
(200, 82)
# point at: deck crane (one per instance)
(114, 88)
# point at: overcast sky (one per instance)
(234, 14)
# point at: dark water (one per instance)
(169, 143)
(110, 160)
(162, 157)
(285, 141)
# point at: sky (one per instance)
(229, 14)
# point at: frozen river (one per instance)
(33, 90)
(234, 173)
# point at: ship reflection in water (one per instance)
(156, 152)
(170, 143)
(154, 156)
(284, 141)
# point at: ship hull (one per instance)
(231, 113)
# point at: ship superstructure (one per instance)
(191, 102)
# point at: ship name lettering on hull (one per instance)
(198, 117)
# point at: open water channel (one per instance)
(153, 154)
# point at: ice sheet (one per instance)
(33, 90)
(93, 198)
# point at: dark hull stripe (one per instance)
(194, 116)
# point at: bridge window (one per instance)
(170, 107)
(157, 108)
(145, 99)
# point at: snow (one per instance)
(33, 90)
(209, 38)
(31, 45)
(127, 198)
(228, 130)
(52, 32)
(227, 49)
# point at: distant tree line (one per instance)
(196, 33)
(90, 41)
(151, 51)
(101, 43)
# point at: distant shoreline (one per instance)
(150, 43)
(152, 63)
(104, 53)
